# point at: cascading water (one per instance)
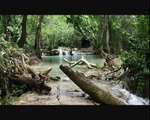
(66, 52)
(60, 52)
(63, 52)
(130, 98)
(118, 90)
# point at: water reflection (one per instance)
(56, 61)
(59, 59)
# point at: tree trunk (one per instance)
(6, 19)
(119, 44)
(110, 34)
(107, 33)
(102, 30)
(4, 88)
(22, 40)
(38, 34)
(98, 94)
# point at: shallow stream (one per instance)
(66, 92)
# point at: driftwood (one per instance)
(109, 71)
(69, 62)
(79, 62)
(108, 60)
(96, 93)
(31, 71)
(25, 70)
(21, 74)
(30, 82)
(24, 80)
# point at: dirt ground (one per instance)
(64, 92)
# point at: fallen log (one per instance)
(30, 82)
(79, 62)
(96, 93)
(19, 77)
(69, 62)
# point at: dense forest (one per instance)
(24, 39)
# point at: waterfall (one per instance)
(66, 52)
(60, 52)
(118, 90)
(130, 98)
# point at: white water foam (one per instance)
(130, 98)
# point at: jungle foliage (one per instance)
(123, 35)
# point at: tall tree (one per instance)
(22, 39)
(105, 32)
(5, 22)
(6, 19)
(38, 35)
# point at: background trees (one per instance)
(137, 59)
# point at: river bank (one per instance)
(66, 92)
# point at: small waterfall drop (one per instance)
(118, 90)
(130, 98)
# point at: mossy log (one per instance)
(97, 94)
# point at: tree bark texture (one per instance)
(22, 40)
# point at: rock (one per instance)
(55, 52)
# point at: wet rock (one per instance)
(54, 52)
